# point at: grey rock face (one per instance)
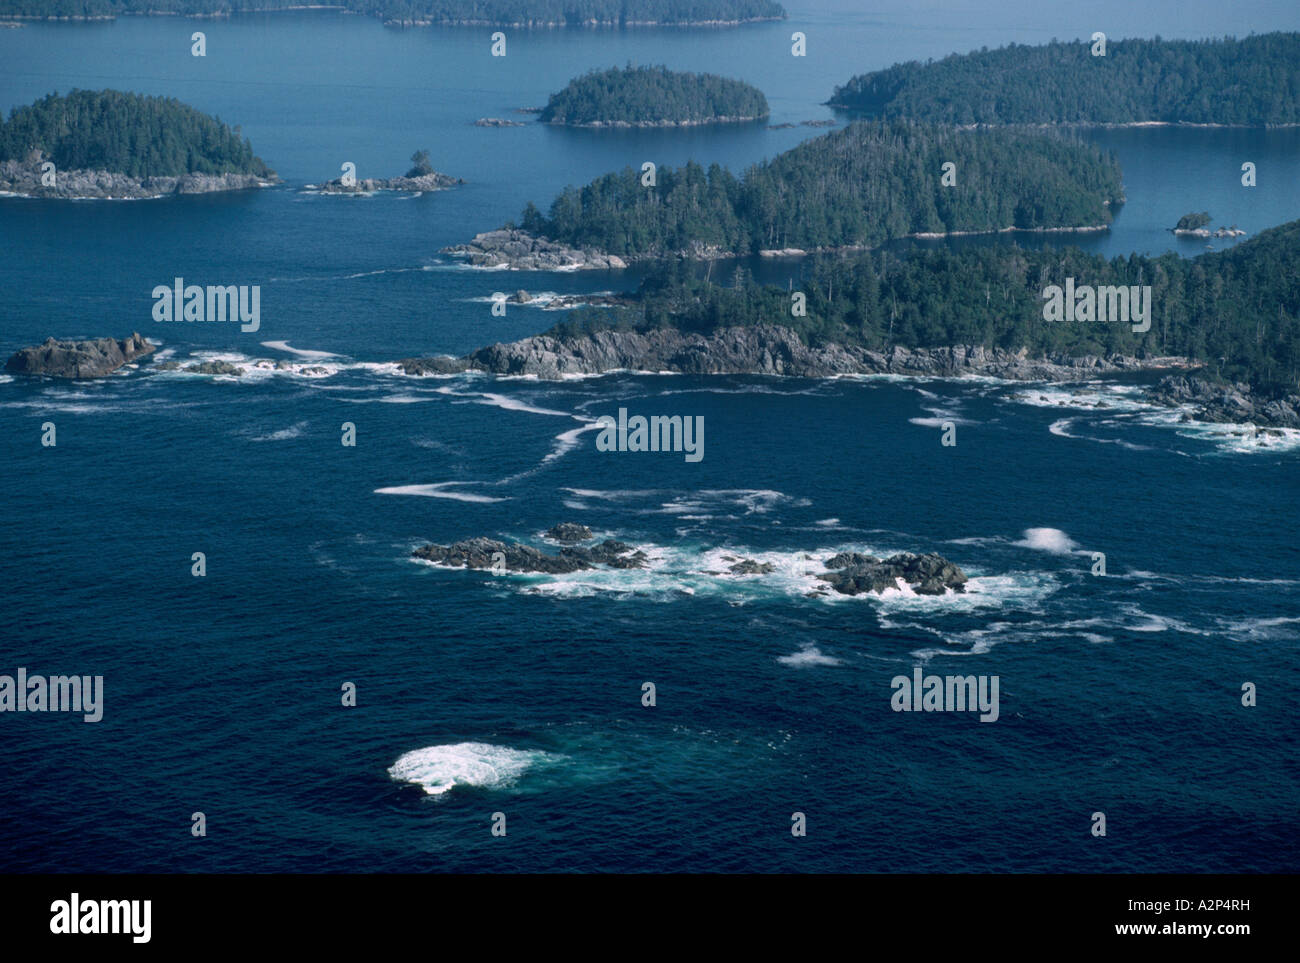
(753, 349)
(929, 574)
(521, 251)
(78, 359)
(25, 179)
(216, 368)
(569, 533)
(1220, 402)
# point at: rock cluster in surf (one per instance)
(850, 573)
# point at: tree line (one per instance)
(126, 133)
(1254, 81)
(652, 95)
(858, 186)
(502, 12)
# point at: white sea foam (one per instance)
(439, 769)
(1048, 540)
(566, 441)
(293, 431)
(300, 352)
(438, 490)
(808, 655)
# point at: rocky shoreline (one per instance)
(78, 359)
(765, 350)
(517, 250)
(432, 181)
(629, 124)
(24, 180)
(1223, 403)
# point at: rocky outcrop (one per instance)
(433, 181)
(1220, 402)
(569, 533)
(929, 574)
(521, 251)
(747, 566)
(78, 359)
(487, 553)
(498, 122)
(760, 349)
(25, 180)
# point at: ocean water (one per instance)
(479, 694)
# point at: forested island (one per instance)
(947, 312)
(653, 97)
(1252, 82)
(499, 13)
(112, 144)
(855, 187)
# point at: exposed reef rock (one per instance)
(925, 574)
(486, 553)
(78, 359)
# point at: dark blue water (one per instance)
(1118, 694)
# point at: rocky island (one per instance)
(1195, 225)
(653, 97)
(107, 144)
(421, 177)
(78, 359)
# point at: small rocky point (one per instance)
(1223, 403)
(79, 359)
